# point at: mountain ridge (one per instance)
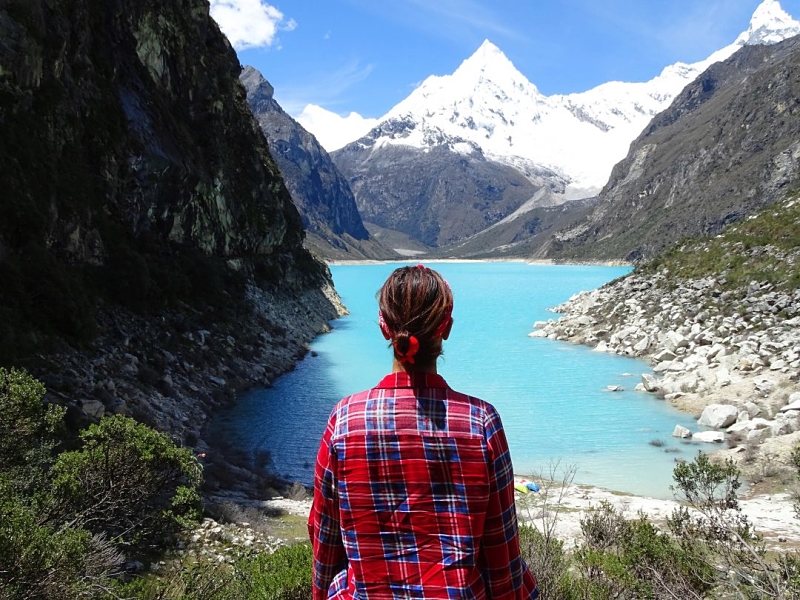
(486, 108)
(726, 147)
(326, 204)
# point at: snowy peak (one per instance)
(769, 24)
(486, 103)
(489, 62)
(489, 65)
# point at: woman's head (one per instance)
(416, 304)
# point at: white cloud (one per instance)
(326, 87)
(249, 23)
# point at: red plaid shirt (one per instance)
(414, 498)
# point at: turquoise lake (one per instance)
(551, 395)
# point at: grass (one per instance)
(763, 248)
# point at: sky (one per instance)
(367, 55)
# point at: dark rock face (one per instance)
(131, 112)
(320, 192)
(727, 146)
(140, 205)
(437, 196)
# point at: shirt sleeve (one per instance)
(505, 573)
(323, 521)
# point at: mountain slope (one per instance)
(146, 235)
(488, 109)
(580, 136)
(319, 191)
(727, 146)
(436, 195)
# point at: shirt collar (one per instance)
(412, 380)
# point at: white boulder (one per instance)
(718, 415)
(709, 436)
(793, 406)
(681, 432)
(649, 382)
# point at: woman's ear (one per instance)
(447, 329)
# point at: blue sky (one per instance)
(367, 55)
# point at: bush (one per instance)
(282, 575)
(44, 561)
(129, 481)
(28, 428)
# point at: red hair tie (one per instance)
(408, 355)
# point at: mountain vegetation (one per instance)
(764, 247)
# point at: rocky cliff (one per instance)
(319, 191)
(150, 254)
(727, 146)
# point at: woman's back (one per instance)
(414, 496)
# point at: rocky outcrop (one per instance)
(724, 346)
(150, 254)
(319, 191)
(697, 347)
(726, 147)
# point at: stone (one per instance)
(716, 350)
(602, 346)
(718, 415)
(739, 427)
(94, 409)
(764, 385)
(681, 432)
(675, 340)
(662, 367)
(716, 437)
(723, 377)
(781, 428)
(664, 356)
(757, 435)
(752, 409)
(793, 406)
(642, 344)
(540, 324)
(650, 382)
(615, 388)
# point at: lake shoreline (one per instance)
(538, 262)
(771, 512)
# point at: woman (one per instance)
(414, 488)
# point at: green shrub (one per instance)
(549, 562)
(128, 481)
(28, 428)
(39, 560)
(282, 575)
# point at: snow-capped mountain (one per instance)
(489, 103)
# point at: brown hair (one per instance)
(415, 301)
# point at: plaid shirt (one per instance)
(414, 498)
